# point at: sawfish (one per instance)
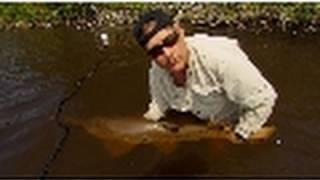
(122, 134)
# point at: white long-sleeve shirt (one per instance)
(221, 83)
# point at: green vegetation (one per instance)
(237, 15)
(37, 14)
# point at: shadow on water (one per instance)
(109, 137)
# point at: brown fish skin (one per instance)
(122, 134)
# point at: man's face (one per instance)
(168, 49)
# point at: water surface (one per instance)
(40, 68)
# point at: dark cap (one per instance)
(156, 20)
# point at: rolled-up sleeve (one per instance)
(245, 86)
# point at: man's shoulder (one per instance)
(204, 40)
(219, 48)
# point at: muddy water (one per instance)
(105, 91)
(38, 69)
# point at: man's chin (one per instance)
(177, 69)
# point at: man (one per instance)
(210, 77)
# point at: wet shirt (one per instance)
(221, 84)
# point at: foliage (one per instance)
(226, 13)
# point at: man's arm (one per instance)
(158, 105)
(155, 112)
(245, 86)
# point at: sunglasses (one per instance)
(169, 41)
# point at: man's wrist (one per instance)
(240, 137)
(153, 114)
(242, 131)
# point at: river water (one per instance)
(71, 107)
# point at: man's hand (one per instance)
(153, 115)
(234, 138)
(262, 135)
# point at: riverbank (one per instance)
(287, 17)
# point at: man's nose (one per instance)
(167, 51)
